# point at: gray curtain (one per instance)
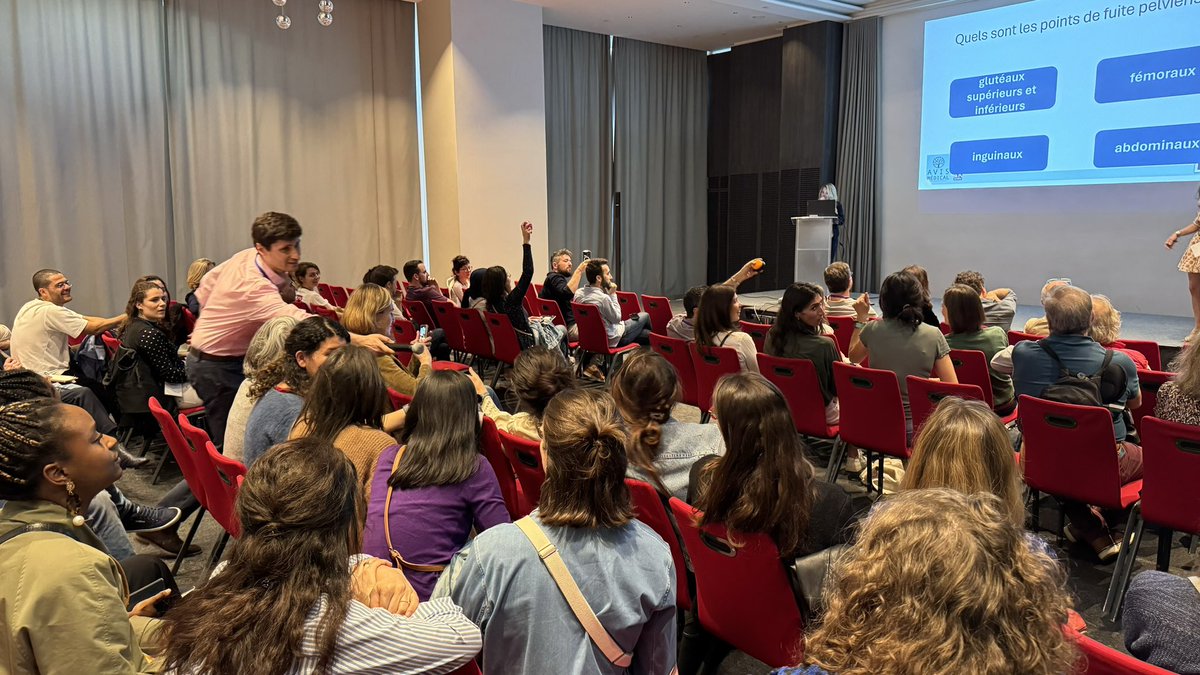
(83, 167)
(316, 121)
(661, 102)
(578, 140)
(856, 149)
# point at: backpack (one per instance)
(1101, 389)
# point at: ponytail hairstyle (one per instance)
(300, 510)
(763, 483)
(902, 298)
(305, 338)
(645, 390)
(30, 438)
(583, 447)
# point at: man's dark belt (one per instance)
(212, 357)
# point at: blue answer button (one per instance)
(999, 155)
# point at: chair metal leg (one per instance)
(162, 462)
(1062, 520)
(1164, 549)
(1124, 568)
(496, 377)
(836, 457)
(870, 470)
(881, 474)
(188, 541)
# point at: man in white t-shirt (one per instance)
(43, 326)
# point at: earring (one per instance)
(73, 504)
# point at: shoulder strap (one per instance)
(566, 584)
(727, 336)
(1062, 369)
(37, 527)
(387, 527)
(1108, 357)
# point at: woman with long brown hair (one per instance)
(622, 567)
(764, 461)
(345, 406)
(964, 446)
(293, 596)
(662, 450)
(717, 321)
(430, 492)
(963, 311)
(941, 582)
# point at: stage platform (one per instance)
(1167, 331)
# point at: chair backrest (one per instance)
(493, 450)
(221, 481)
(526, 459)
(710, 364)
(397, 399)
(1070, 451)
(504, 338)
(649, 508)
(592, 336)
(925, 394)
(403, 332)
(1097, 659)
(340, 296)
(321, 311)
(1149, 348)
(1015, 336)
(971, 367)
(537, 288)
(184, 454)
(743, 595)
(757, 331)
(419, 313)
(659, 309)
(797, 379)
(111, 345)
(1149, 381)
(1170, 474)
(325, 292)
(303, 305)
(530, 301)
(629, 304)
(944, 327)
(476, 338)
(872, 412)
(446, 315)
(843, 330)
(551, 309)
(677, 353)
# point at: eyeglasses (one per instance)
(1061, 280)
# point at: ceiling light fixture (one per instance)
(324, 14)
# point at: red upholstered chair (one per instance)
(650, 508)
(1070, 453)
(743, 595)
(757, 331)
(340, 295)
(419, 313)
(397, 399)
(446, 315)
(872, 415)
(1096, 659)
(525, 456)
(944, 327)
(222, 480)
(505, 347)
(711, 363)
(972, 367)
(1015, 336)
(530, 301)
(537, 288)
(476, 339)
(1149, 381)
(659, 309)
(303, 305)
(551, 309)
(510, 489)
(843, 329)
(189, 464)
(629, 304)
(111, 345)
(797, 379)
(403, 332)
(470, 668)
(592, 336)
(321, 311)
(924, 395)
(1149, 348)
(1170, 501)
(325, 292)
(676, 352)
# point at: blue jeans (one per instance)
(106, 523)
(637, 329)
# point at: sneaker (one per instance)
(1106, 548)
(142, 519)
(168, 541)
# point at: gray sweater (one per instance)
(270, 423)
(1162, 621)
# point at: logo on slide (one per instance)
(937, 169)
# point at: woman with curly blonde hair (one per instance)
(1106, 330)
(897, 603)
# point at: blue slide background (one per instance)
(1071, 118)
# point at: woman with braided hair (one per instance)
(661, 449)
(64, 596)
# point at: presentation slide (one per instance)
(1051, 92)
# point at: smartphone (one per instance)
(424, 331)
(145, 592)
(587, 254)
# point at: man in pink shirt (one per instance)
(237, 297)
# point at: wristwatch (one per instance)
(859, 325)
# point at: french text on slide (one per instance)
(1045, 25)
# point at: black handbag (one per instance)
(808, 578)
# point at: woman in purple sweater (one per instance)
(438, 483)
